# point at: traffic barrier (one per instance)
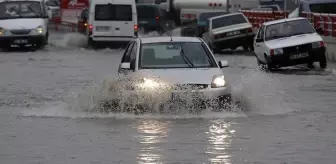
(61, 26)
(256, 18)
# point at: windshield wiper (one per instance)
(33, 11)
(186, 59)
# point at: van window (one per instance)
(323, 8)
(147, 12)
(109, 12)
(228, 21)
(20, 9)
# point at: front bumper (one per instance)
(22, 41)
(209, 96)
(283, 60)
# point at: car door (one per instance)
(259, 44)
(126, 58)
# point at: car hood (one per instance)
(21, 23)
(182, 76)
(293, 40)
(231, 28)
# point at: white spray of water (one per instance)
(262, 94)
(70, 40)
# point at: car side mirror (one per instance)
(126, 66)
(320, 31)
(223, 63)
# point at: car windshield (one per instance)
(53, 3)
(20, 9)
(206, 16)
(323, 8)
(147, 12)
(110, 12)
(228, 21)
(175, 55)
(288, 28)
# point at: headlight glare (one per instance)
(39, 29)
(218, 81)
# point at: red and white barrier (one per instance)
(320, 20)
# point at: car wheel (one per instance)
(323, 61)
(46, 42)
(261, 65)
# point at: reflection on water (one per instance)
(151, 134)
(219, 138)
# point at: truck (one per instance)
(186, 11)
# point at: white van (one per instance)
(23, 23)
(112, 21)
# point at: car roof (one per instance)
(169, 39)
(282, 20)
(226, 15)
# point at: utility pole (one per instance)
(285, 8)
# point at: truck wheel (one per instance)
(323, 61)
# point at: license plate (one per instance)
(233, 33)
(299, 56)
(21, 41)
(102, 28)
(143, 22)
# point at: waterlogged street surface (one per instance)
(45, 97)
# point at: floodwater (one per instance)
(44, 119)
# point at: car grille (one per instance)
(298, 49)
(20, 32)
(190, 86)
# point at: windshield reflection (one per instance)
(219, 137)
(152, 133)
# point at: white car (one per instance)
(229, 31)
(23, 23)
(171, 70)
(112, 22)
(289, 42)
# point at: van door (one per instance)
(113, 20)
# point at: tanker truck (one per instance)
(186, 11)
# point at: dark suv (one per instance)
(152, 17)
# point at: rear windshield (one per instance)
(113, 12)
(147, 12)
(323, 8)
(228, 21)
(206, 16)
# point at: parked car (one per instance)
(289, 42)
(229, 31)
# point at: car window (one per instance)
(113, 12)
(147, 12)
(323, 7)
(206, 16)
(20, 9)
(126, 57)
(261, 32)
(228, 21)
(288, 28)
(175, 55)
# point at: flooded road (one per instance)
(291, 116)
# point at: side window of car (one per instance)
(133, 56)
(126, 57)
(261, 33)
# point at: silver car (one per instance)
(171, 70)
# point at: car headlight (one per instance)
(39, 29)
(2, 31)
(218, 81)
(318, 44)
